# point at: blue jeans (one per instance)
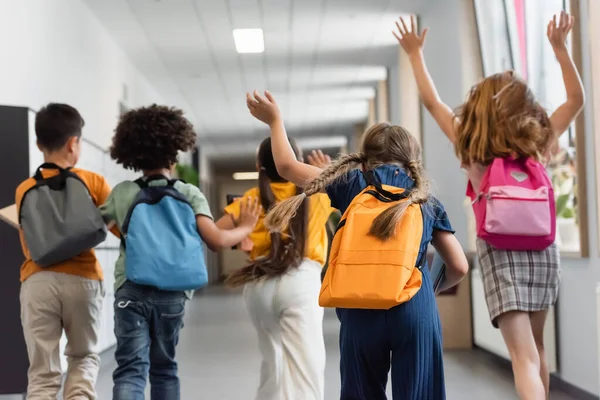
(147, 325)
(407, 338)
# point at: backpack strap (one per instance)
(38, 172)
(423, 259)
(144, 182)
(372, 180)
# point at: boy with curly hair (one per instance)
(147, 319)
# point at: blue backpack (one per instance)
(162, 245)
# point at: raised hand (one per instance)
(249, 212)
(410, 40)
(264, 108)
(318, 159)
(559, 30)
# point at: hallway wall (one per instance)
(444, 59)
(57, 50)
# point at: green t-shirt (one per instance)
(122, 197)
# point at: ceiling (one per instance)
(322, 60)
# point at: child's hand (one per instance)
(318, 159)
(249, 212)
(265, 108)
(247, 245)
(557, 33)
(410, 41)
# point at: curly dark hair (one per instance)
(151, 137)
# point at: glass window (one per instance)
(494, 36)
(545, 79)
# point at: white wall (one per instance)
(443, 55)
(395, 95)
(56, 50)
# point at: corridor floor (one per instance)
(219, 359)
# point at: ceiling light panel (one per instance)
(249, 40)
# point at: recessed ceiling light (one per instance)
(245, 176)
(249, 40)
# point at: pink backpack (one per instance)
(515, 207)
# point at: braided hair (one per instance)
(383, 143)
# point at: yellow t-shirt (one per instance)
(85, 264)
(319, 211)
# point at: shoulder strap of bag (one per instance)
(144, 182)
(372, 180)
(423, 259)
(38, 173)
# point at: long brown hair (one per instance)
(381, 144)
(502, 118)
(287, 249)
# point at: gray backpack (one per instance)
(59, 218)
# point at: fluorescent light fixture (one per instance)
(310, 143)
(249, 40)
(245, 176)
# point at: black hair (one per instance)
(150, 138)
(55, 124)
(287, 249)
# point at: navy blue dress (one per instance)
(408, 337)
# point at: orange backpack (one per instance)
(364, 271)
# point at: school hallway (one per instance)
(219, 359)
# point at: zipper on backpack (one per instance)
(490, 197)
(477, 199)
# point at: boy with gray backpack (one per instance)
(62, 281)
(163, 223)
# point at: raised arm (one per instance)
(265, 109)
(568, 111)
(412, 43)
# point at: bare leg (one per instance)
(538, 321)
(518, 336)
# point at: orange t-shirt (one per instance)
(85, 264)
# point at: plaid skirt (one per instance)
(518, 280)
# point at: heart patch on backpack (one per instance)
(519, 176)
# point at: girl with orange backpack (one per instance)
(501, 134)
(377, 276)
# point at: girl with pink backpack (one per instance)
(502, 135)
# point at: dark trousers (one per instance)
(407, 338)
(147, 325)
